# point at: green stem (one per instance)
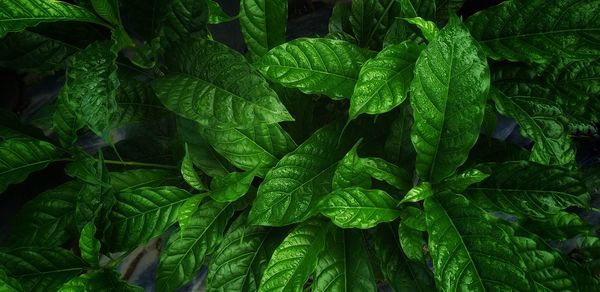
(114, 262)
(127, 163)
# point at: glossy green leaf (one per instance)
(188, 172)
(292, 189)
(418, 193)
(382, 170)
(344, 264)
(449, 94)
(143, 177)
(264, 23)
(181, 20)
(184, 253)
(461, 181)
(105, 280)
(65, 122)
(560, 226)
(412, 242)
(359, 208)
(370, 20)
(383, 81)
(89, 245)
(19, 14)
(468, 251)
(41, 268)
(108, 10)
(540, 189)
(143, 213)
(204, 89)
(514, 30)
(8, 283)
(22, 156)
(295, 258)
(314, 65)
(232, 186)
(188, 209)
(428, 28)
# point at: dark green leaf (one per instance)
(263, 23)
(144, 177)
(8, 283)
(22, 156)
(108, 9)
(370, 20)
(232, 186)
(461, 181)
(65, 122)
(411, 241)
(340, 18)
(216, 15)
(189, 173)
(181, 20)
(105, 280)
(203, 155)
(398, 147)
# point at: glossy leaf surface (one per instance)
(22, 156)
(264, 24)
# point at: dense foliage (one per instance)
(328, 163)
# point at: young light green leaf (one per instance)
(356, 207)
(460, 182)
(8, 283)
(418, 193)
(449, 94)
(315, 65)
(143, 177)
(17, 15)
(142, 213)
(468, 251)
(232, 186)
(216, 15)
(108, 10)
(104, 280)
(189, 173)
(89, 245)
(22, 156)
(203, 89)
(264, 23)
(185, 251)
(428, 28)
(292, 189)
(41, 269)
(370, 20)
(344, 264)
(295, 258)
(511, 31)
(383, 81)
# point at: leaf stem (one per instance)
(128, 163)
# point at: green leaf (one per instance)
(202, 153)
(539, 191)
(449, 94)
(91, 86)
(468, 251)
(382, 170)
(8, 283)
(383, 81)
(181, 20)
(339, 20)
(291, 190)
(108, 10)
(411, 241)
(232, 186)
(185, 251)
(370, 20)
(105, 280)
(22, 156)
(65, 122)
(188, 209)
(460, 182)
(19, 14)
(315, 65)
(514, 30)
(216, 15)
(263, 23)
(444, 8)
(241, 259)
(356, 207)
(143, 177)
(41, 268)
(428, 28)
(89, 245)
(295, 258)
(398, 147)
(203, 89)
(189, 173)
(247, 148)
(418, 193)
(539, 120)
(96, 193)
(137, 103)
(344, 265)
(142, 213)
(418, 8)
(559, 226)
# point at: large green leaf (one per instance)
(184, 254)
(292, 189)
(22, 156)
(41, 268)
(219, 89)
(537, 31)
(16, 15)
(315, 65)
(469, 252)
(356, 207)
(143, 177)
(91, 86)
(449, 93)
(48, 219)
(540, 120)
(295, 258)
(539, 190)
(263, 23)
(370, 20)
(344, 265)
(241, 259)
(143, 213)
(383, 81)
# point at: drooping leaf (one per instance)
(142, 213)
(383, 81)
(232, 186)
(189, 173)
(143, 177)
(185, 251)
(370, 20)
(105, 280)
(41, 268)
(515, 30)
(19, 14)
(291, 190)
(22, 156)
(264, 23)
(295, 258)
(449, 94)
(204, 89)
(89, 245)
(314, 65)
(468, 251)
(344, 264)
(356, 207)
